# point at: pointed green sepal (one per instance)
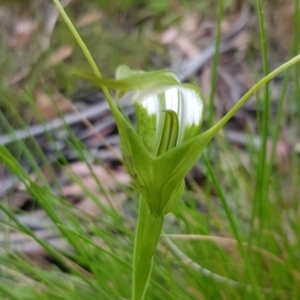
(131, 81)
(169, 116)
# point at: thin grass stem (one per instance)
(234, 228)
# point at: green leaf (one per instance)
(124, 71)
(136, 81)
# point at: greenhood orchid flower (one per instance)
(166, 117)
(169, 116)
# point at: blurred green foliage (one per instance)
(127, 4)
(22, 2)
(161, 6)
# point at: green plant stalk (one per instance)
(220, 124)
(86, 53)
(215, 63)
(148, 231)
(233, 227)
(214, 74)
(297, 95)
(262, 182)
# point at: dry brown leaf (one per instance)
(110, 180)
(297, 148)
(88, 18)
(45, 104)
(205, 82)
(60, 55)
(169, 35)
(190, 22)
(106, 195)
(19, 75)
(22, 32)
(282, 152)
(279, 16)
(187, 47)
(18, 199)
(90, 207)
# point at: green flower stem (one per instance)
(86, 53)
(214, 129)
(146, 239)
